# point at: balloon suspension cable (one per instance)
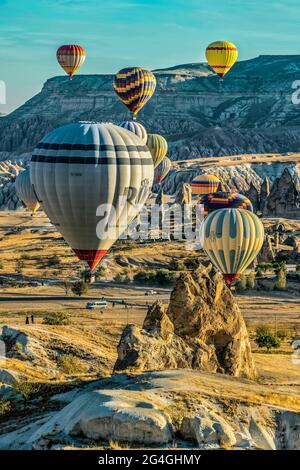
(133, 116)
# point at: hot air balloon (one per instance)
(70, 58)
(162, 170)
(221, 56)
(136, 128)
(222, 200)
(134, 86)
(92, 179)
(232, 238)
(204, 184)
(158, 147)
(25, 191)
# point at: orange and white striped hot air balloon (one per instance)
(70, 57)
(221, 56)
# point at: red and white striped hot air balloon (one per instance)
(70, 57)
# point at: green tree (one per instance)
(281, 273)
(80, 288)
(242, 283)
(251, 281)
(266, 339)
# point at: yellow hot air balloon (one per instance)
(134, 86)
(232, 238)
(158, 147)
(221, 56)
(70, 57)
(205, 184)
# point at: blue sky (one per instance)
(153, 33)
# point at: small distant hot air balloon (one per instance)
(92, 179)
(70, 58)
(134, 86)
(232, 238)
(136, 128)
(162, 170)
(204, 184)
(25, 191)
(221, 56)
(222, 200)
(158, 147)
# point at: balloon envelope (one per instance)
(158, 147)
(136, 128)
(70, 57)
(134, 86)
(232, 238)
(25, 192)
(162, 170)
(92, 179)
(204, 184)
(223, 200)
(221, 56)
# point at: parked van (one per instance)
(96, 304)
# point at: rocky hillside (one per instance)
(250, 111)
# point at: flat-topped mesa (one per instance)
(202, 328)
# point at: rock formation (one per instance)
(189, 106)
(267, 253)
(183, 195)
(202, 328)
(284, 198)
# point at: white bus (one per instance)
(96, 304)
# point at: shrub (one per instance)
(122, 278)
(100, 272)
(177, 265)
(251, 281)
(242, 283)
(79, 288)
(5, 407)
(191, 263)
(28, 390)
(281, 273)
(25, 256)
(267, 340)
(69, 364)
(281, 334)
(56, 318)
(1, 265)
(161, 276)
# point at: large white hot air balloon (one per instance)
(92, 180)
(25, 191)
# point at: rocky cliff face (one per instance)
(202, 328)
(251, 111)
(8, 172)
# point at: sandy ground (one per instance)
(97, 333)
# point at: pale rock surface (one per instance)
(202, 328)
